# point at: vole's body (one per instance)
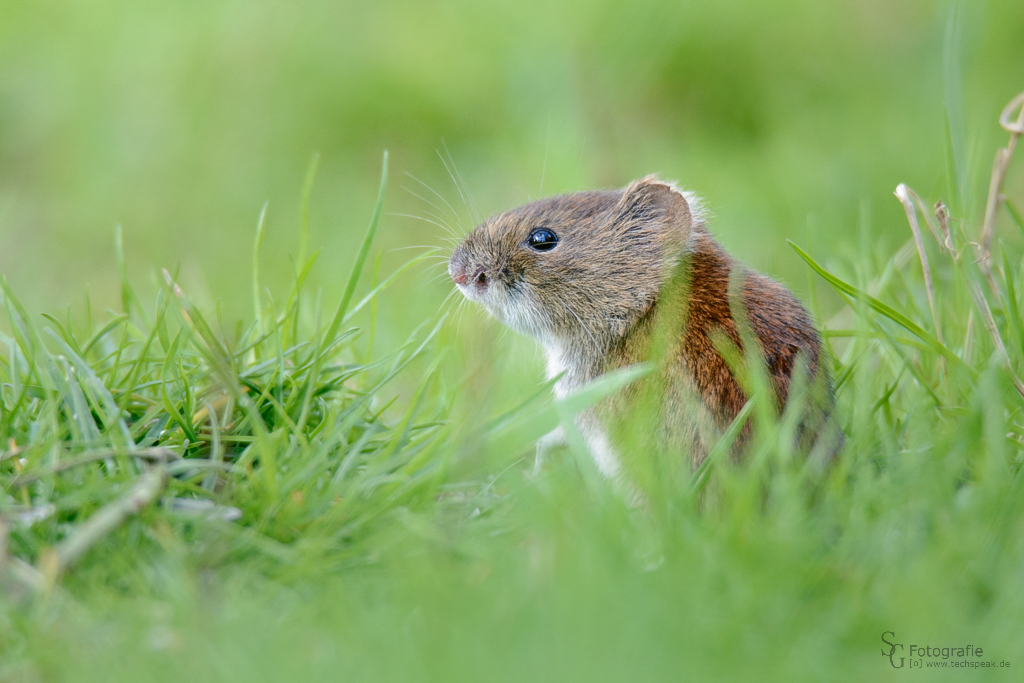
(595, 299)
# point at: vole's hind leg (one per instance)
(547, 443)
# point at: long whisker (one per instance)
(579, 162)
(585, 328)
(469, 195)
(455, 182)
(421, 218)
(449, 297)
(458, 234)
(440, 219)
(463, 307)
(544, 167)
(413, 246)
(460, 185)
(455, 213)
(443, 275)
(421, 197)
(436, 264)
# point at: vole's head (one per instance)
(577, 268)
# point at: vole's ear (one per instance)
(652, 203)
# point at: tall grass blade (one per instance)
(888, 312)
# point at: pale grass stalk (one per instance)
(903, 194)
(145, 490)
(999, 167)
(942, 213)
(159, 454)
(997, 339)
(969, 336)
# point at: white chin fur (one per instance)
(512, 311)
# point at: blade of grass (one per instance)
(597, 389)
(1010, 300)
(127, 293)
(257, 306)
(1014, 215)
(145, 490)
(103, 404)
(383, 285)
(363, 253)
(904, 196)
(63, 331)
(102, 332)
(888, 312)
(350, 288)
(722, 446)
(307, 192)
(169, 406)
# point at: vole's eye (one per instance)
(542, 239)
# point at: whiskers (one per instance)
(450, 209)
(597, 347)
(451, 237)
(460, 185)
(460, 313)
(442, 214)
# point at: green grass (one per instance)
(281, 425)
(297, 522)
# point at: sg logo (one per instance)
(892, 650)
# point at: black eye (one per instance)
(542, 239)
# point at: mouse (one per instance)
(590, 274)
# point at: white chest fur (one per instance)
(556, 367)
(589, 426)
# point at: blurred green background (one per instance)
(178, 120)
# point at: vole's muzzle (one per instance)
(465, 275)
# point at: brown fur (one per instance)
(593, 301)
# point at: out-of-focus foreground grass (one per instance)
(326, 502)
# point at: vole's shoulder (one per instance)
(782, 327)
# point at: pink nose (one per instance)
(458, 273)
(461, 277)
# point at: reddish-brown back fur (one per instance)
(781, 325)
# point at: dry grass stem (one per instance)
(159, 454)
(903, 194)
(999, 166)
(942, 214)
(147, 487)
(997, 339)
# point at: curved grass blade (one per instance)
(103, 403)
(597, 389)
(376, 290)
(350, 288)
(307, 191)
(724, 445)
(63, 332)
(364, 252)
(169, 406)
(102, 332)
(888, 312)
(256, 303)
(1014, 215)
